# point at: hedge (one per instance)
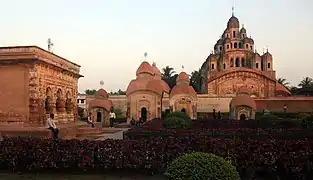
(287, 159)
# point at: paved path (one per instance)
(117, 135)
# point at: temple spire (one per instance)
(50, 44)
(233, 10)
(145, 55)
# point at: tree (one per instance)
(168, 72)
(169, 76)
(306, 82)
(283, 81)
(90, 91)
(293, 90)
(195, 81)
(119, 92)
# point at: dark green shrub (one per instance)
(180, 115)
(267, 120)
(201, 166)
(307, 121)
(177, 120)
(288, 123)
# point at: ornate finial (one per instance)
(243, 26)
(50, 44)
(266, 48)
(233, 11)
(101, 83)
(263, 50)
(145, 55)
(182, 68)
(153, 64)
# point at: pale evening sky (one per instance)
(108, 38)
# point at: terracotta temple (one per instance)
(35, 82)
(235, 78)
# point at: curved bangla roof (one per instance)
(101, 92)
(154, 84)
(183, 77)
(243, 98)
(183, 88)
(156, 71)
(101, 103)
(144, 67)
(237, 70)
(243, 101)
(281, 90)
(101, 100)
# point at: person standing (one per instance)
(214, 115)
(219, 116)
(52, 127)
(89, 121)
(112, 117)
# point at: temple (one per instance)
(235, 79)
(35, 82)
(235, 63)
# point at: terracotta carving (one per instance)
(60, 105)
(69, 105)
(48, 105)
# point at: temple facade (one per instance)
(235, 79)
(234, 63)
(35, 82)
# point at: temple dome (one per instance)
(185, 89)
(243, 30)
(101, 92)
(183, 77)
(144, 67)
(157, 73)
(233, 22)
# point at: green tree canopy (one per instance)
(90, 91)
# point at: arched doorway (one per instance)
(242, 117)
(143, 114)
(183, 110)
(99, 116)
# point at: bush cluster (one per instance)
(177, 120)
(201, 166)
(252, 158)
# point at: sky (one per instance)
(108, 38)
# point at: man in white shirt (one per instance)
(89, 121)
(51, 126)
(112, 117)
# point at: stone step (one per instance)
(88, 133)
(123, 125)
(87, 130)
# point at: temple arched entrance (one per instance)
(183, 110)
(143, 114)
(48, 101)
(99, 116)
(242, 117)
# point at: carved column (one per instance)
(34, 97)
